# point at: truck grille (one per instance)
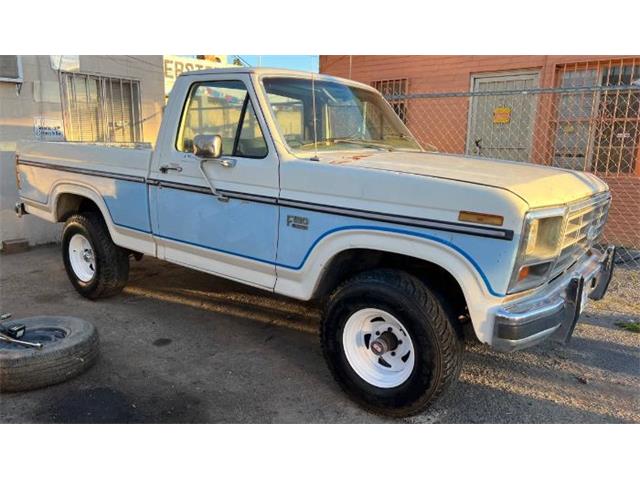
(585, 224)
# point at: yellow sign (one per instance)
(502, 115)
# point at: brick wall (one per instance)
(623, 224)
(444, 73)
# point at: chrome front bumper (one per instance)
(553, 311)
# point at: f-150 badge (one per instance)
(294, 221)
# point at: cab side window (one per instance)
(222, 108)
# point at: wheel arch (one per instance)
(352, 261)
(70, 198)
(340, 255)
(70, 203)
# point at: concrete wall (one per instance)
(39, 96)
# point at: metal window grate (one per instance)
(101, 109)
(394, 88)
(605, 122)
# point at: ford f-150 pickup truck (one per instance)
(310, 186)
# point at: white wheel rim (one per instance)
(82, 258)
(386, 370)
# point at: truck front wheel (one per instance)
(390, 343)
(96, 266)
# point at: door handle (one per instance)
(166, 168)
(227, 162)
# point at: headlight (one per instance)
(540, 246)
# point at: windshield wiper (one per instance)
(364, 143)
(397, 135)
(352, 141)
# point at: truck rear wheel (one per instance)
(390, 343)
(96, 266)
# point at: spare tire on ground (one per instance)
(70, 346)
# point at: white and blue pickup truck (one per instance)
(310, 186)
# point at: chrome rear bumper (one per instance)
(554, 311)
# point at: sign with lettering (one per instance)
(502, 115)
(48, 129)
(65, 63)
(174, 65)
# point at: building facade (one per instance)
(577, 112)
(175, 65)
(110, 99)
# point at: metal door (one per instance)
(232, 231)
(501, 124)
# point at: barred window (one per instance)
(391, 88)
(101, 109)
(599, 129)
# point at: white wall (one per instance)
(39, 96)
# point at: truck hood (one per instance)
(538, 185)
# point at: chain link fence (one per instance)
(591, 129)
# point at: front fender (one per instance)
(301, 281)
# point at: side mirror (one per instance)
(207, 146)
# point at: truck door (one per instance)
(232, 230)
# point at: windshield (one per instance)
(337, 117)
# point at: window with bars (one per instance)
(390, 88)
(598, 128)
(101, 109)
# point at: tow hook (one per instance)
(14, 333)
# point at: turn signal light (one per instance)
(523, 273)
(485, 218)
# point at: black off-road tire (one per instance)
(437, 341)
(28, 368)
(112, 262)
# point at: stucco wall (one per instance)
(39, 96)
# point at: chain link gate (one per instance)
(591, 129)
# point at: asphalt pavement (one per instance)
(181, 346)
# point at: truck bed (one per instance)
(119, 159)
(114, 177)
